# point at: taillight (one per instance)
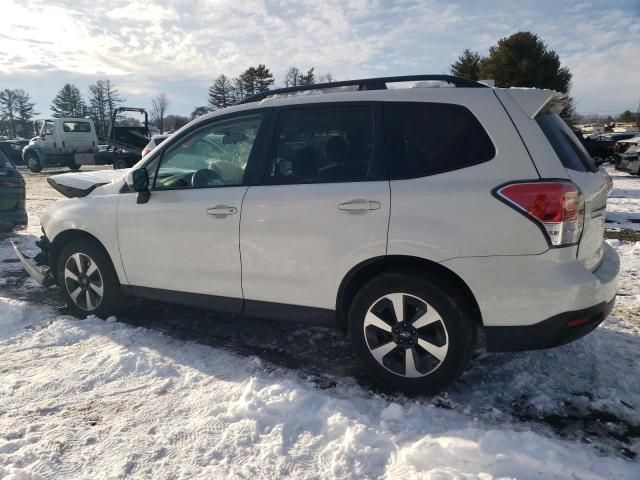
(558, 207)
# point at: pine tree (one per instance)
(68, 102)
(467, 65)
(221, 93)
(8, 107)
(256, 80)
(25, 112)
(523, 60)
(308, 78)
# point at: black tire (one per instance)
(74, 167)
(112, 300)
(33, 162)
(455, 329)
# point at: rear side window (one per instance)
(324, 144)
(428, 138)
(569, 149)
(76, 127)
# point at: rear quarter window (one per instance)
(569, 149)
(428, 138)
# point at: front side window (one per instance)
(429, 138)
(323, 144)
(215, 155)
(47, 127)
(76, 127)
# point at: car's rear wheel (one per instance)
(33, 162)
(88, 280)
(410, 333)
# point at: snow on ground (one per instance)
(108, 399)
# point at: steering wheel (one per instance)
(203, 177)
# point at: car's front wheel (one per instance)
(410, 333)
(88, 280)
(33, 162)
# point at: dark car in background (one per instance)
(12, 195)
(13, 150)
(601, 146)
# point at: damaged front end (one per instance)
(38, 268)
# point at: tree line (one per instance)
(16, 113)
(226, 91)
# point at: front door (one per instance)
(185, 239)
(322, 207)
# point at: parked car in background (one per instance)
(70, 142)
(630, 160)
(600, 147)
(13, 149)
(12, 195)
(410, 217)
(621, 146)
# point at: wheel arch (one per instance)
(361, 273)
(66, 236)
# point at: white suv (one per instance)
(411, 217)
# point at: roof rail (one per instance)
(379, 83)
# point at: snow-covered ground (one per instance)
(168, 392)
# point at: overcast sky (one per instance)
(180, 46)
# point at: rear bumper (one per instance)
(558, 330)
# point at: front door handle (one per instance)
(222, 210)
(359, 205)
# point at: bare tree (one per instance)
(159, 105)
(292, 77)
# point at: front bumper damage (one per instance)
(38, 268)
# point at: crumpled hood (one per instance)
(81, 184)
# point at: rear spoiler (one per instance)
(534, 100)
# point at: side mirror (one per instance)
(138, 181)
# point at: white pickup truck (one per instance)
(70, 142)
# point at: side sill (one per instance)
(210, 302)
(250, 308)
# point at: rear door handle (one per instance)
(222, 210)
(359, 205)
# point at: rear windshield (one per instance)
(569, 149)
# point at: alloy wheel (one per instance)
(83, 281)
(406, 335)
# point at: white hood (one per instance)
(81, 184)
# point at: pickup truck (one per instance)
(68, 142)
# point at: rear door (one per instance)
(594, 184)
(320, 208)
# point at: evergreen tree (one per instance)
(523, 60)
(221, 93)
(256, 80)
(308, 78)
(467, 65)
(239, 92)
(8, 106)
(25, 112)
(68, 102)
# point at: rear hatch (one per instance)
(594, 184)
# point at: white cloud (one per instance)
(147, 47)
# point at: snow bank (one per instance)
(94, 399)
